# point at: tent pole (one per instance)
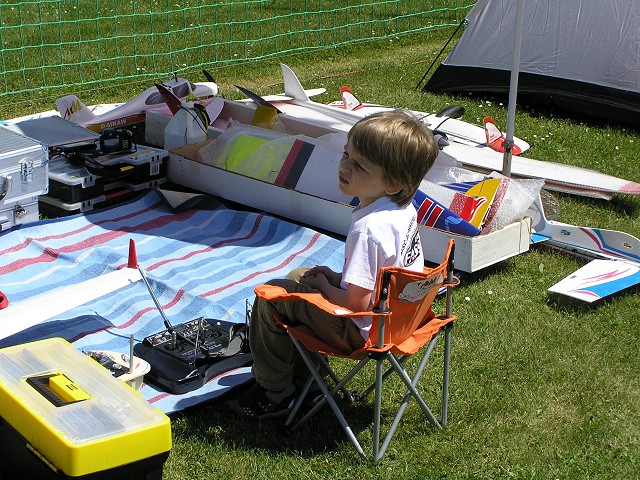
(424, 89)
(513, 89)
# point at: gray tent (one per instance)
(582, 56)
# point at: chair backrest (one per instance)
(409, 298)
(409, 321)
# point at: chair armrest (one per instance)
(455, 281)
(274, 293)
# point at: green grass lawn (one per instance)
(541, 387)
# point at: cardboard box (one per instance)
(476, 253)
(62, 415)
(471, 254)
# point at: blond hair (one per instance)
(401, 145)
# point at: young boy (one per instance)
(386, 157)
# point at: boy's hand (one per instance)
(332, 277)
(315, 278)
(322, 278)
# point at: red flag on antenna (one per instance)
(133, 258)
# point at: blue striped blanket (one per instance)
(199, 262)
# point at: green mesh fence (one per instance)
(87, 43)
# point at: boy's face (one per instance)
(360, 178)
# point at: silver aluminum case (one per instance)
(19, 213)
(24, 168)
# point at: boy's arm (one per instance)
(354, 298)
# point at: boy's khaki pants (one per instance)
(276, 362)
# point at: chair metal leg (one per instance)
(410, 384)
(340, 386)
(445, 375)
(336, 380)
(385, 375)
(328, 396)
(298, 403)
(413, 392)
(377, 409)
(397, 365)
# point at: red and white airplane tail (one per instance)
(495, 138)
(349, 100)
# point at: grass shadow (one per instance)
(215, 423)
(625, 204)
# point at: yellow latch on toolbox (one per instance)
(64, 388)
(58, 389)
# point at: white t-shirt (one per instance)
(382, 234)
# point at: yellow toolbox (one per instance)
(62, 415)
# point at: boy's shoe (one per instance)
(256, 405)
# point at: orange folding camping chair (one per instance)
(403, 323)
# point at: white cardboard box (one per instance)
(156, 122)
(471, 253)
(476, 253)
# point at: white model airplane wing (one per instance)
(350, 109)
(598, 279)
(457, 130)
(19, 316)
(27, 313)
(280, 97)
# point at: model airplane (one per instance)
(614, 257)
(19, 316)
(468, 143)
(446, 122)
(587, 241)
(133, 111)
(344, 113)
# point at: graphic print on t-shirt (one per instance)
(414, 250)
